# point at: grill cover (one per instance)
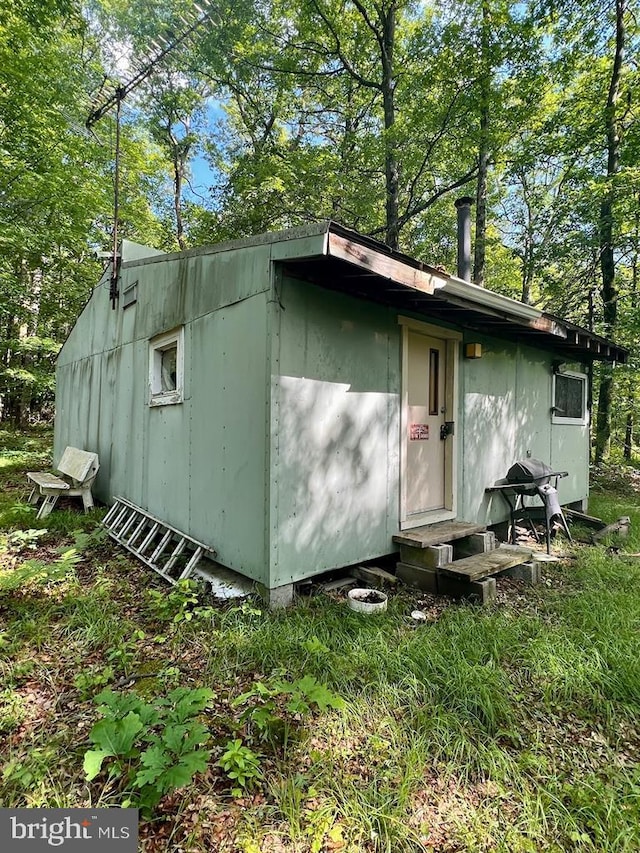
(529, 471)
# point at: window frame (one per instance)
(158, 345)
(562, 419)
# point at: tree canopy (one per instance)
(376, 113)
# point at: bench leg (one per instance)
(87, 501)
(47, 505)
(34, 497)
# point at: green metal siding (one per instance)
(506, 408)
(284, 454)
(200, 465)
(335, 427)
(228, 436)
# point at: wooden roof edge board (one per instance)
(582, 336)
(386, 266)
(336, 228)
(549, 325)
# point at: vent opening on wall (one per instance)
(130, 295)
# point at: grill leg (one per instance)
(513, 507)
(566, 528)
(547, 524)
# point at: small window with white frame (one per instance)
(569, 398)
(166, 368)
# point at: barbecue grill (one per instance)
(531, 478)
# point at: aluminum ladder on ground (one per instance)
(166, 550)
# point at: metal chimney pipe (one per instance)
(463, 206)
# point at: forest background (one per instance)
(273, 113)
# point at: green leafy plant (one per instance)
(12, 711)
(124, 653)
(87, 681)
(270, 707)
(302, 695)
(247, 608)
(28, 771)
(181, 603)
(20, 540)
(242, 766)
(36, 571)
(153, 747)
(315, 646)
(307, 694)
(83, 540)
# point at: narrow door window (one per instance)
(434, 375)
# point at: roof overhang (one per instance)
(345, 261)
(337, 258)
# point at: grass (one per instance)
(510, 728)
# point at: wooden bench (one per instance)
(77, 469)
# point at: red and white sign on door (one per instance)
(419, 432)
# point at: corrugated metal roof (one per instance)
(370, 275)
(335, 257)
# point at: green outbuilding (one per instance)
(295, 400)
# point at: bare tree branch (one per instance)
(348, 65)
(423, 205)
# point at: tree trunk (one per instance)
(479, 253)
(608, 290)
(631, 396)
(483, 151)
(527, 274)
(528, 264)
(628, 433)
(178, 167)
(388, 22)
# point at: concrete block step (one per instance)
(433, 580)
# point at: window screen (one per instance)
(569, 399)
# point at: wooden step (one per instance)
(437, 534)
(480, 566)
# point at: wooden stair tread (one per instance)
(437, 534)
(480, 566)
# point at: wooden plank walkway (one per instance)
(437, 534)
(480, 566)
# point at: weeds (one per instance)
(242, 766)
(151, 748)
(180, 604)
(93, 679)
(39, 572)
(512, 728)
(19, 540)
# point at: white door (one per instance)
(428, 423)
